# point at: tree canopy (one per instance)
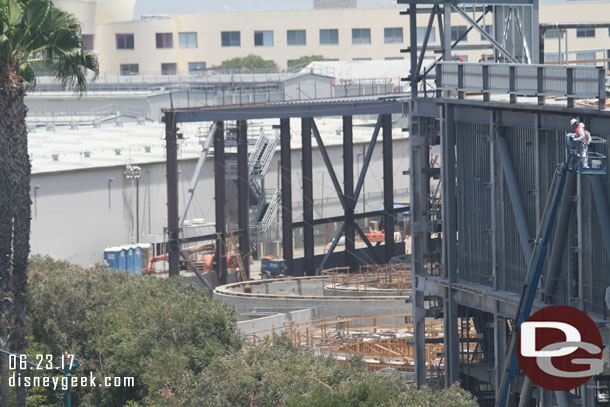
(252, 62)
(305, 60)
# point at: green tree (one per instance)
(304, 61)
(252, 62)
(30, 31)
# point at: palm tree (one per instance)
(33, 34)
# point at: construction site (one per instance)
(455, 201)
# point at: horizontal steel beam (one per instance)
(389, 104)
(341, 218)
(470, 2)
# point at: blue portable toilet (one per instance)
(122, 252)
(111, 258)
(137, 261)
(130, 262)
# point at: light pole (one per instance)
(134, 172)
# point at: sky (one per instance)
(199, 6)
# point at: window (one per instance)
(230, 38)
(187, 40)
(393, 58)
(164, 40)
(457, 31)
(168, 69)
(394, 35)
(551, 57)
(263, 38)
(585, 32)
(421, 34)
(329, 37)
(295, 37)
(361, 59)
(88, 42)
(488, 30)
(586, 56)
(552, 33)
(361, 35)
(130, 69)
(124, 41)
(196, 68)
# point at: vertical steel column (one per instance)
(173, 228)
(447, 33)
(413, 46)
(242, 195)
(388, 187)
(452, 370)
(348, 191)
(419, 239)
(220, 197)
(286, 169)
(499, 350)
(307, 168)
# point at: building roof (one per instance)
(361, 70)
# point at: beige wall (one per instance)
(209, 26)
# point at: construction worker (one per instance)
(584, 138)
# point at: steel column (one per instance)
(419, 206)
(515, 198)
(286, 186)
(413, 50)
(452, 361)
(173, 229)
(388, 187)
(348, 191)
(307, 171)
(221, 201)
(499, 349)
(242, 194)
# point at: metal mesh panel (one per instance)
(555, 81)
(498, 77)
(450, 75)
(527, 79)
(522, 151)
(473, 76)
(586, 82)
(474, 203)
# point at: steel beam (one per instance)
(367, 159)
(340, 218)
(603, 210)
(388, 187)
(221, 201)
(328, 163)
(499, 350)
(242, 194)
(173, 229)
(348, 191)
(307, 172)
(515, 198)
(449, 202)
(385, 104)
(425, 44)
(286, 174)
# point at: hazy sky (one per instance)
(199, 6)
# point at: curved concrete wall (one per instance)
(285, 295)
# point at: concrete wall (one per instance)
(266, 326)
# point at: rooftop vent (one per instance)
(50, 127)
(55, 157)
(147, 149)
(73, 126)
(117, 151)
(87, 154)
(97, 124)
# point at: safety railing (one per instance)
(541, 81)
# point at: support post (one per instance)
(499, 350)
(413, 50)
(286, 174)
(173, 230)
(388, 187)
(452, 361)
(348, 191)
(570, 84)
(603, 209)
(307, 170)
(220, 197)
(540, 84)
(242, 195)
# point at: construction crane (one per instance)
(528, 293)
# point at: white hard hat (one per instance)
(573, 122)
